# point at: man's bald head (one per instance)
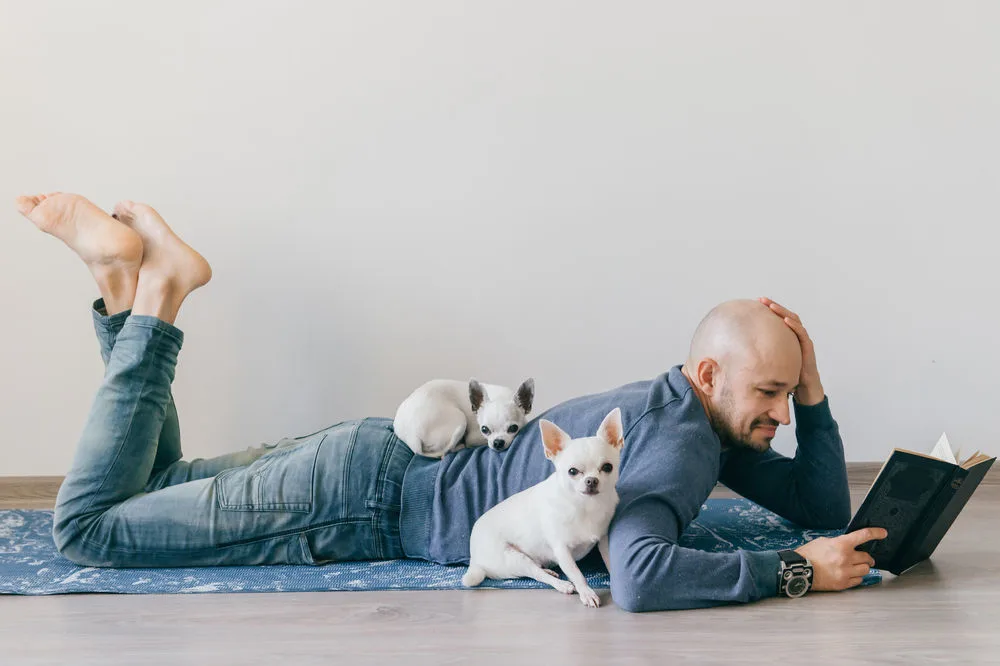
(741, 334)
(743, 364)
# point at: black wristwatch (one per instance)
(795, 577)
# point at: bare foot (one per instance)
(112, 251)
(171, 269)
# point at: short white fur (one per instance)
(558, 520)
(446, 414)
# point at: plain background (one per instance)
(394, 191)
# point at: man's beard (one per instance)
(722, 423)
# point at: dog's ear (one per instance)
(553, 437)
(525, 395)
(611, 429)
(476, 394)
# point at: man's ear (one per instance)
(708, 374)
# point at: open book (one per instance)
(916, 497)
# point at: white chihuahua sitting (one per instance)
(446, 414)
(557, 521)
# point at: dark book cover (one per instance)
(915, 498)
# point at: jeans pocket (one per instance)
(282, 480)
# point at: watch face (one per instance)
(797, 586)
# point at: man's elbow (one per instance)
(632, 594)
(627, 597)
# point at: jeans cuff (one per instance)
(149, 321)
(104, 320)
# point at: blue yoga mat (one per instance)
(30, 564)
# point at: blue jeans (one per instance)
(129, 500)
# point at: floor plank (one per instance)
(946, 611)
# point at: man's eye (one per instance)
(769, 394)
(573, 471)
(512, 429)
(485, 430)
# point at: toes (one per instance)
(27, 204)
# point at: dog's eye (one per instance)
(485, 430)
(573, 471)
(606, 468)
(512, 429)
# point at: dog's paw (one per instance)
(589, 598)
(551, 573)
(564, 586)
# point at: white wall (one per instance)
(390, 192)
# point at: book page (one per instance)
(943, 451)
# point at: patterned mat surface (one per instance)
(30, 564)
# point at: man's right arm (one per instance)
(661, 489)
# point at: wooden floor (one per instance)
(945, 612)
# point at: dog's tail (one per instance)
(474, 576)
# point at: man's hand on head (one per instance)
(836, 564)
(810, 389)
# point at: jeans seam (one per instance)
(159, 329)
(299, 530)
(131, 423)
(229, 544)
(345, 480)
(382, 471)
(377, 535)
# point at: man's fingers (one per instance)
(859, 570)
(858, 537)
(796, 326)
(778, 308)
(861, 557)
(853, 582)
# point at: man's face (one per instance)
(752, 399)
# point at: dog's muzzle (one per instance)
(498, 445)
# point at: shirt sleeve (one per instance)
(810, 489)
(670, 468)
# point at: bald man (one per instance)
(354, 491)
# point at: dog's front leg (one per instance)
(568, 565)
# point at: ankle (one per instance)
(158, 297)
(117, 287)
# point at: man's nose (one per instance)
(781, 413)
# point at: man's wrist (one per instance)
(807, 396)
(795, 574)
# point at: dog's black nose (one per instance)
(498, 444)
(591, 482)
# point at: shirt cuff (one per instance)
(814, 417)
(764, 567)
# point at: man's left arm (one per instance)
(810, 489)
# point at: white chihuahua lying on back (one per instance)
(557, 521)
(443, 414)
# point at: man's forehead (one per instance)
(773, 383)
(772, 372)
